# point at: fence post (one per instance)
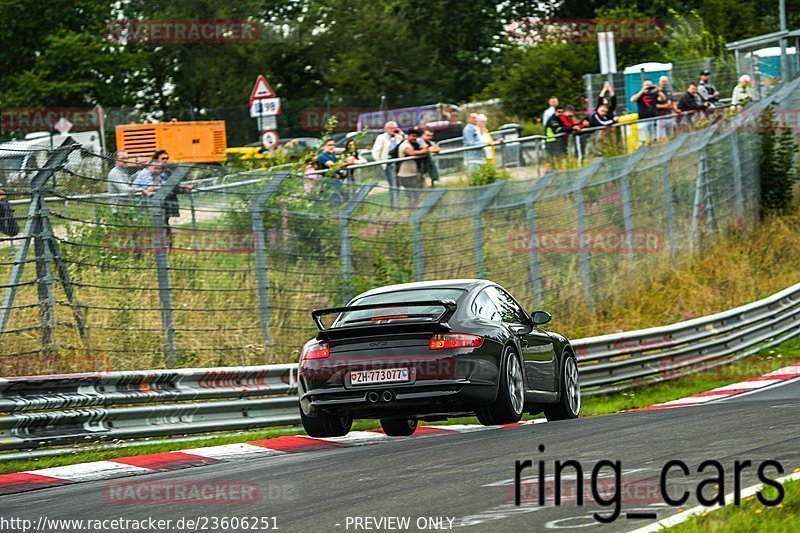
(344, 239)
(533, 248)
(698, 209)
(161, 247)
(627, 211)
(738, 197)
(668, 209)
(260, 252)
(416, 222)
(477, 223)
(37, 213)
(195, 244)
(586, 272)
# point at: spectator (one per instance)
(555, 132)
(472, 137)
(707, 91)
(351, 157)
(571, 125)
(8, 222)
(744, 92)
(119, 179)
(665, 105)
(601, 118)
(607, 98)
(327, 158)
(691, 100)
(148, 180)
(390, 138)
(426, 166)
(646, 102)
(312, 177)
(408, 175)
(550, 111)
(486, 138)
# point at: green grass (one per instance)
(771, 359)
(751, 516)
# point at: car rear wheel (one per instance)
(569, 403)
(510, 402)
(398, 427)
(326, 424)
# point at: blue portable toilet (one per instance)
(633, 79)
(769, 61)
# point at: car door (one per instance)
(538, 352)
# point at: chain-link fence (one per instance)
(226, 272)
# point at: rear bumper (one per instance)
(420, 398)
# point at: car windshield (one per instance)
(403, 309)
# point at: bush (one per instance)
(487, 174)
(778, 171)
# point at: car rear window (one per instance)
(402, 310)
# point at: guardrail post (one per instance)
(533, 248)
(416, 222)
(161, 247)
(586, 273)
(344, 239)
(477, 223)
(260, 253)
(738, 196)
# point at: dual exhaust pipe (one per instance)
(375, 397)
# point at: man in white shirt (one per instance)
(391, 137)
(550, 111)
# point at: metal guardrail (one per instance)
(71, 408)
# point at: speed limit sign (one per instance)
(269, 139)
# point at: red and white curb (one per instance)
(161, 462)
(747, 386)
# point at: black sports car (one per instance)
(433, 350)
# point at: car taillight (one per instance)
(317, 350)
(444, 341)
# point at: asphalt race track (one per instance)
(467, 477)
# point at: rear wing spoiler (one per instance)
(448, 304)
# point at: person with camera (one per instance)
(666, 107)
(607, 98)
(645, 100)
(8, 222)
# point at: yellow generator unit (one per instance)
(186, 142)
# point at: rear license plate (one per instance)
(388, 375)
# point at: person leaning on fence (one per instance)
(311, 176)
(351, 157)
(408, 175)
(486, 138)
(8, 222)
(571, 125)
(119, 179)
(391, 137)
(555, 132)
(744, 92)
(426, 166)
(691, 103)
(471, 136)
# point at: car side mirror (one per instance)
(541, 317)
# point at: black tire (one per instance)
(510, 402)
(326, 425)
(399, 427)
(569, 399)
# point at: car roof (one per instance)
(466, 284)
